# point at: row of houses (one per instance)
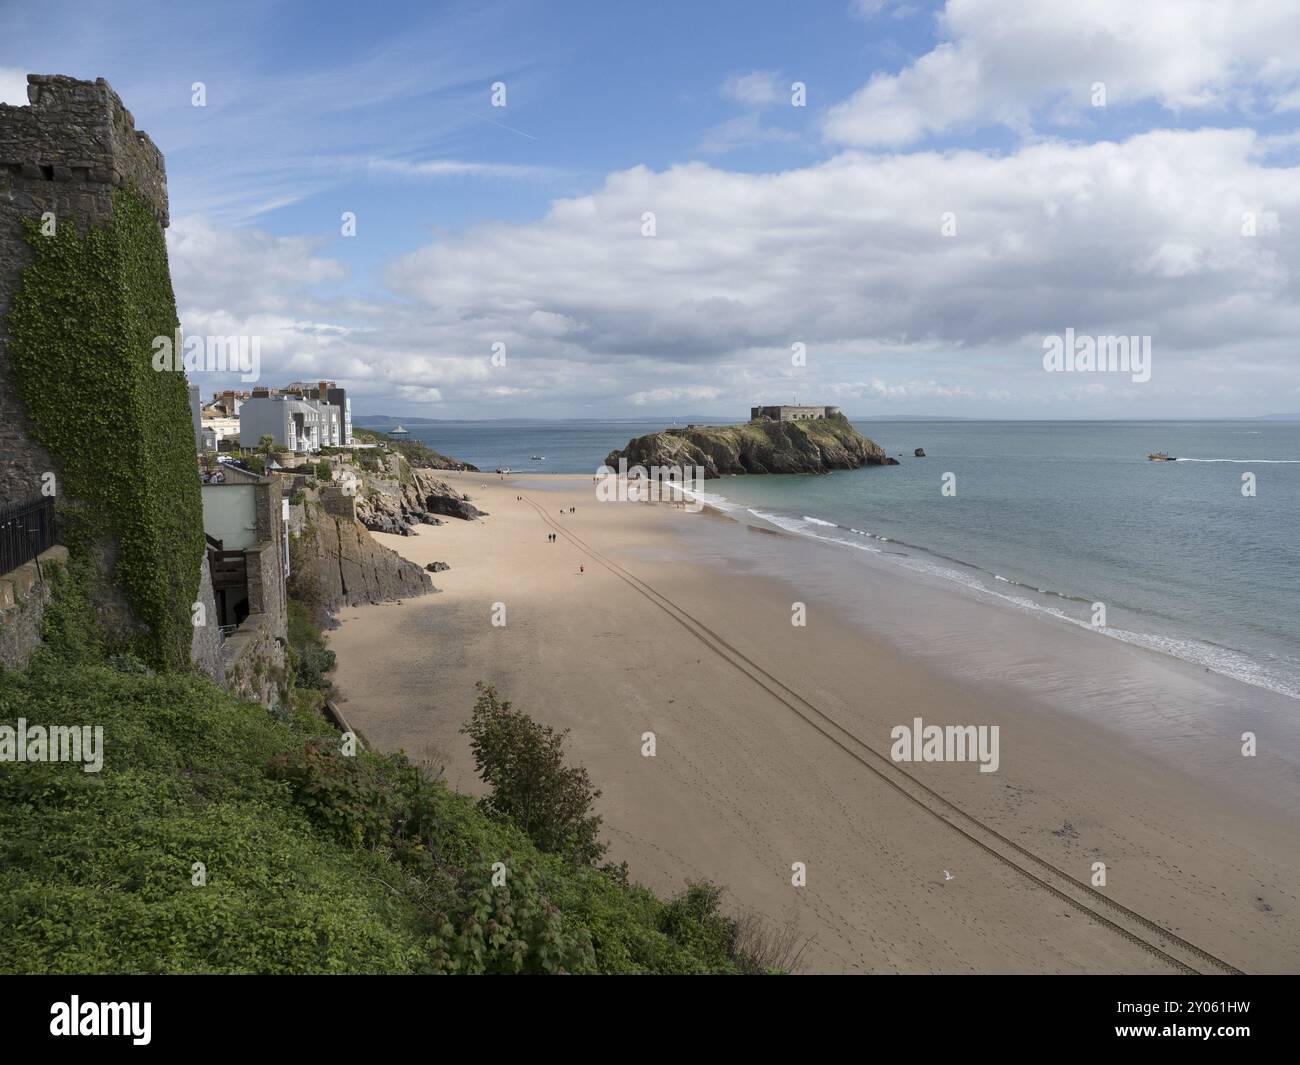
(303, 418)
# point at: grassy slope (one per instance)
(346, 865)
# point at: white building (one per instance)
(289, 422)
(328, 392)
(217, 426)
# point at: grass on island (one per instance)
(220, 838)
(417, 454)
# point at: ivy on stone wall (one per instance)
(83, 326)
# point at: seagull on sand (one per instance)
(947, 875)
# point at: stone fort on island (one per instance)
(791, 413)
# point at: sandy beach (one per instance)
(772, 741)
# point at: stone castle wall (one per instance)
(64, 153)
(791, 413)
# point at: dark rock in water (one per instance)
(812, 446)
(920, 452)
(437, 567)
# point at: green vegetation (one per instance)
(313, 861)
(531, 785)
(310, 659)
(417, 454)
(813, 446)
(83, 331)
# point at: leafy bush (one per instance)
(324, 471)
(310, 658)
(523, 761)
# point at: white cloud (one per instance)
(441, 168)
(13, 86)
(660, 396)
(758, 88)
(743, 131)
(245, 268)
(847, 257)
(1006, 62)
(907, 390)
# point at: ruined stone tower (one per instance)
(64, 153)
(85, 417)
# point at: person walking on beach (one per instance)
(580, 569)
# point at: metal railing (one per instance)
(26, 529)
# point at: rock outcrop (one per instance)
(813, 446)
(337, 563)
(335, 560)
(407, 498)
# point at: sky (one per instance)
(582, 208)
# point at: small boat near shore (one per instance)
(1160, 456)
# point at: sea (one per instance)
(1198, 559)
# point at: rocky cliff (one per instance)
(397, 498)
(335, 562)
(758, 447)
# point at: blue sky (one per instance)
(776, 225)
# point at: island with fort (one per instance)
(783, 439)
